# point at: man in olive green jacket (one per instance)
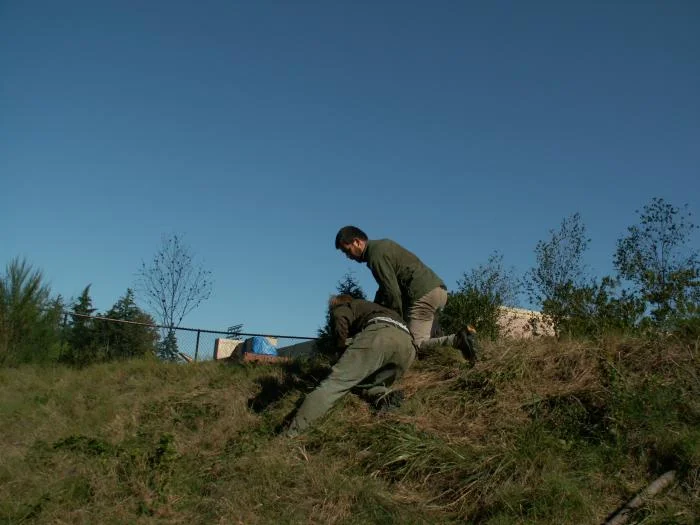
(407, 286)
(380, 352)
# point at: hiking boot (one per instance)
(465, 342)
(388, 402)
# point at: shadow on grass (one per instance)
(298, 376)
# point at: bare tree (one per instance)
(173, 284)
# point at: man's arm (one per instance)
(342, 319)
(389, 292)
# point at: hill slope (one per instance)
(537, 432)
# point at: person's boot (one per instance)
(465, 342)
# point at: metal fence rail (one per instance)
(195, 343)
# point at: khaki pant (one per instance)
(378, 356)
(421, 316)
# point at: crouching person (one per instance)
(380, 351)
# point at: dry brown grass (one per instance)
(539, 431)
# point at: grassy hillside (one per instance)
(537, 432)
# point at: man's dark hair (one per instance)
(347, 234)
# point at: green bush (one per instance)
(470, 307)
(479, 298)
(593, 310)
(30, 320)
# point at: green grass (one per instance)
(537, 432)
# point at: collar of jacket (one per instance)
(368, 246)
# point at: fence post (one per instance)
(64, 336)
(196, 348)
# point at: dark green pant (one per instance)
(378, 356)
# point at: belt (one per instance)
(389, 320)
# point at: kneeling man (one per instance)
(380, 352)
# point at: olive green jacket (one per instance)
(351, 318)
(401, 276)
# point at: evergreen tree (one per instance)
(29, 318)
(167, 347)
(134, 338)
(347, 285)
(82, 348)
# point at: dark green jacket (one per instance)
(351, 318)
(401, 276)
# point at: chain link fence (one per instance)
(200, 344)
(191, 344)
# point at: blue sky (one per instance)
(257, 129)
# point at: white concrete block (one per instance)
(224, 348)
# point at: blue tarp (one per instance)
(260, 345)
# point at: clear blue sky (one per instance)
(257, 129)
